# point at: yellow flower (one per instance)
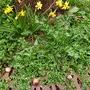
(59, 3)
(21, 13)
(8, 9)
(38, 5)
(66, 5)
(52, 14)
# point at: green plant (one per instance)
(63, 47)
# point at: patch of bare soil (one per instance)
(36, 85)
(31, 38)
(5, 75)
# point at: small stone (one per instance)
(69, 77)
(8, 69)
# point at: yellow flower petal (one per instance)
(21, 13)
(38, 5)
(8, 9)
(66, 5)
(59, 3)
(52, 14)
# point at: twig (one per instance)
(49, 7)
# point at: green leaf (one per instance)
(73, 10)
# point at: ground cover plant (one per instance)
(50, 42)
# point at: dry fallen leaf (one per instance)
(35, 81)
(19, 1)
